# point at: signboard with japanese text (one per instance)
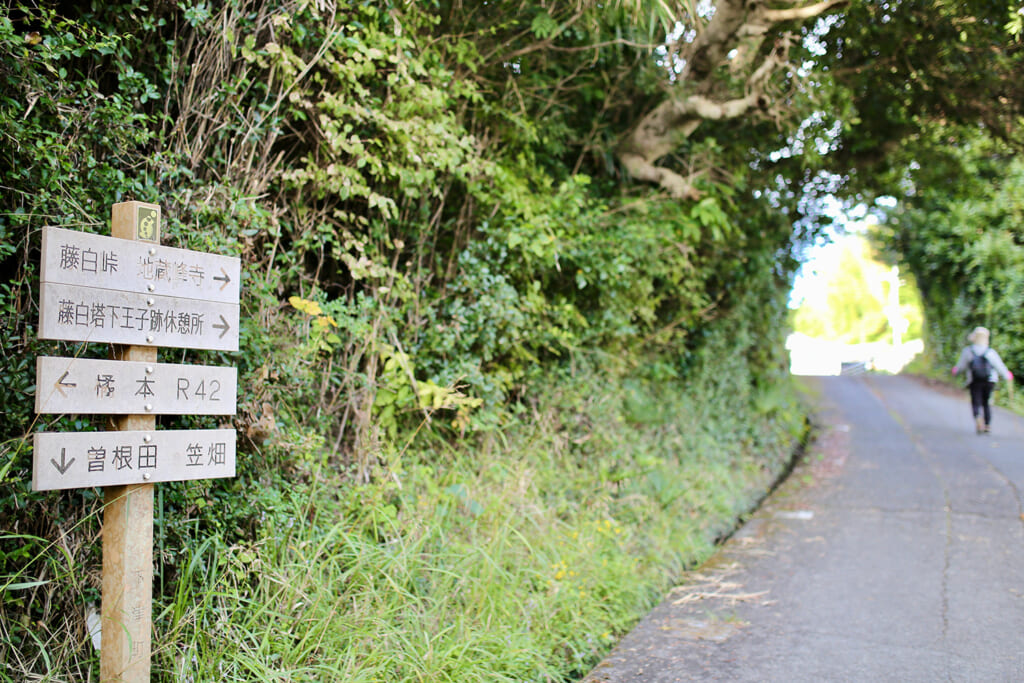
(113, 387)
(129, 291)
(71, 257)
(88, 459)
(88, 314)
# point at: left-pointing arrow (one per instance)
(64, 462)
(61, 383)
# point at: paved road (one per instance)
(895, 552)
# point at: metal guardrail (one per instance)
(856, 368)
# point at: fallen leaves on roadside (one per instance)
(715, 585)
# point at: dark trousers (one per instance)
(981, 392)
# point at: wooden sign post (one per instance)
(127, 601)
(129, 291)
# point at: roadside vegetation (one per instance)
(971, 268)
(520, 557)
(964, 246)
(489, 405)
(513, 306)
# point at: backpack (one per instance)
(980, 367)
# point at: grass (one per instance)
(520, 557)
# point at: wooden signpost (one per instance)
(126, 265)
(76, 313)
(98, 459)
(112, 387)
(105, 289)
(129, 291)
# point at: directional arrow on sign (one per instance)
(124, 387)
(64, 462)
(223, 327)
(133, 318)
(226, 279)
(183, 455)
(164, 271)
(59, 384)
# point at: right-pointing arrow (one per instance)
(223, 327)
(226, 279)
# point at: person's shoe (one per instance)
(979, 425)
(987, 429)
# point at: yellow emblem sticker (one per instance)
(149, 223)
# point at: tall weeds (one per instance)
(490, 398)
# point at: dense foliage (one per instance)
(928, 101)
(906, 66)
(964, 241)
(467, 335)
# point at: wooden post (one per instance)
(127, 602)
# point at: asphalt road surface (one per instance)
(895, 552)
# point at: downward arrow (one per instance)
(226, 279)
(61, 383)
(224, 327)
(64, 462)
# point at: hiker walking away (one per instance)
(983, 366)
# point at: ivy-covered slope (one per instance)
(959, 231)
(934, 124)
(465, 335)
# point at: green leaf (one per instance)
(25, 585)
(543, 26)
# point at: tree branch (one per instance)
(733, 37)
(675, 184)
(777, 16)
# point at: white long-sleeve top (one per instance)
(995, 363)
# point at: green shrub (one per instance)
(470, 439)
